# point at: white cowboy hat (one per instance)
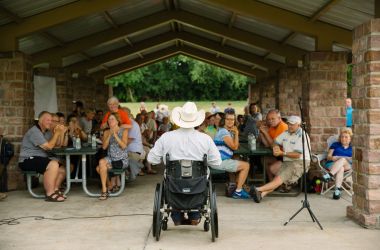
(187, 116)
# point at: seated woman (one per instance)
(339, 159)
(115, 140)
(227, 140)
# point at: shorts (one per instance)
(228, 165)
(136, 156)
(35, 163)
(291, 171)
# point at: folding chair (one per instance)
(321, 160)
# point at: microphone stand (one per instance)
(305, 202)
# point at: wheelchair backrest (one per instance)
(186, 169)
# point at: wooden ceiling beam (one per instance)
(287, 19)
(39, 22)
(110, 19)
(138, 62)
(211, 46)
(55, 54)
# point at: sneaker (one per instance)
(336, 195)
(241, 195)
(256, 194)
(326, 178)
(230, 189)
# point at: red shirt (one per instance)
(123, 117)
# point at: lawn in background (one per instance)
(206, 105)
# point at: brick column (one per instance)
(16, 106)
(366, 102)
(290, 90)
(324, 91)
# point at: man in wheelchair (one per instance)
(185, 145)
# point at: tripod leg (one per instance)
(314, 218)
(294, 215)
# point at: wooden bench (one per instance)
(29, 175)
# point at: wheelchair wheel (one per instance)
(213, 214)
(156, 206)
(159, 214)
(216, 215)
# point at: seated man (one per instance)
(292, 166)
(34, 157)
(185, 143)
(268, 135)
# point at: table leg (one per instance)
(68, 178)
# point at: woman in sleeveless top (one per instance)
(115, 140)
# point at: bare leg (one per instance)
(270, 186)
(102, 169)
(338, 169)
(50, 178)
(61, 177)
(269, 161)
(242, 173)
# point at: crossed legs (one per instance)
(338, 169)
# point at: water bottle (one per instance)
(74, 139)
(93, 141)
(78, 143)
(89, 138)
(253, 143)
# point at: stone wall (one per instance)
(16, 105)
(290, 90)
(366, 102)
(17, 101)
(324, 93)
(268, 91)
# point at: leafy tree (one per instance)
(180, 78)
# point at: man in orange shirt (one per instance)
(113, 106)
(267, 137)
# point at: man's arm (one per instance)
(157, 152)
(49, 145)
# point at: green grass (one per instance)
(206, 105)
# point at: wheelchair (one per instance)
(186, 187)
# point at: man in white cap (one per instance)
(185, 143)
(292, 152)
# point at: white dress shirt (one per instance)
(185, 144)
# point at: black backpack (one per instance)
(6, 151)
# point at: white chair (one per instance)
(321, 159)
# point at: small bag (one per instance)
(117, 164)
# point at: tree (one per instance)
(179, 78)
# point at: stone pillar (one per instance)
(290, 90)
(16, 106)
(268, 91)
(324, 91)
(366, 102)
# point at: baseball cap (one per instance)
(293, 119)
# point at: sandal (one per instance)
(54, 197)
(60, 193)
(114, 189)
(104, 196)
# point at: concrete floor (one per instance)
(125, 223)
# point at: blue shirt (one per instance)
(224, 150)
(349, 116)
(339, 150)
